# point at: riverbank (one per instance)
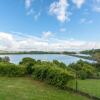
(84, 57)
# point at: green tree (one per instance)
(29, 63)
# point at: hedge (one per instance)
(53, 75)
(8, 69)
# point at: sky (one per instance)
(49, 25)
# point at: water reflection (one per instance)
(48, 57)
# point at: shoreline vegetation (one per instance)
(35, 52)
(54, 73)
(84, 57)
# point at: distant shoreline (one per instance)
(84, 57)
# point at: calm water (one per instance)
(48, 57)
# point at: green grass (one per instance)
(28, 89)
(90, 86)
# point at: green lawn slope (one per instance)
(28, 89)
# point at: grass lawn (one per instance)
(28, 89)
(90, 86)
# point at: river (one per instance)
(16, 58)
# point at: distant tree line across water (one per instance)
(95, 54)
(37, 52)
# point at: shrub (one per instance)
(8, 69)
(52, 75)
(28, 62)
(82, 74)
(4, 59)
(59, 64)
(84, 69)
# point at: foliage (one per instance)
(28, 62)
(69, 52)
(8, 69)
(95, 54)
(55, 73)
(4, 59)
(52, 74)
(91, 52)
(59, 64)
(84, 69)
(97, 57)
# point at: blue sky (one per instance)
(49, 24)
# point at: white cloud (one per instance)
(47, 34)
(96, 5)
(97, 9)
(60, 10)
(5, 37)
(86, 21)
(36, 16)
(31, 11)
(13, 42)
(86, 12)
(28, 3)
(78, 3)
(62, 30)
